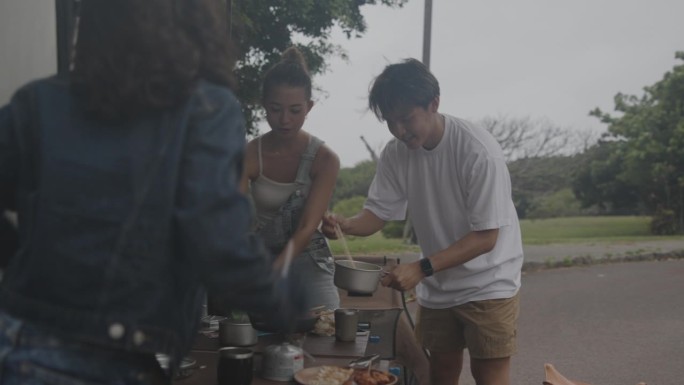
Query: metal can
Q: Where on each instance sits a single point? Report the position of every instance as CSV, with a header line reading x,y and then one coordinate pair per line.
x,y
281,362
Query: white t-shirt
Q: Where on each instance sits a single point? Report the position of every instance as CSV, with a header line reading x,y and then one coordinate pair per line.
x,y
461,185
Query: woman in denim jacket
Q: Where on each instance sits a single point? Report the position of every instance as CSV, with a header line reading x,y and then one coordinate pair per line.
x,y
125,177
290,175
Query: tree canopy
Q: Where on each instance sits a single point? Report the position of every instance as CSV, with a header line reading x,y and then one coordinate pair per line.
x,y
643,150
262,29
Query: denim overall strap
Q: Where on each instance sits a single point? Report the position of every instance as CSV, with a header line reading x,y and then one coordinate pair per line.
x,y
307,158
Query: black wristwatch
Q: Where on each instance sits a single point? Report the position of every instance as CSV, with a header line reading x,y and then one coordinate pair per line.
x,y
426,267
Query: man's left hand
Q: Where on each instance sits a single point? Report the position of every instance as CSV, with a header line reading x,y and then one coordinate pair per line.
x,y
403,277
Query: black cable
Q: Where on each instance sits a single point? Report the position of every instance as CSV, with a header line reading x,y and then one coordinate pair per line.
x,y
413,327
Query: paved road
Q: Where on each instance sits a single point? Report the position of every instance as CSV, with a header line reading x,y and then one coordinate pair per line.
x,y
601,323
609,324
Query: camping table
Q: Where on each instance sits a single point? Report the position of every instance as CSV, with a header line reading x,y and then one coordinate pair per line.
x,y
383,312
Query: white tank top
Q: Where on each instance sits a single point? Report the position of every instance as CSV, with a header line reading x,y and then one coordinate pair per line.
x,y
269,195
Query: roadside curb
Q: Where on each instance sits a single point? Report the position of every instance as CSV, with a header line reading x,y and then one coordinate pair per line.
x,y
588,260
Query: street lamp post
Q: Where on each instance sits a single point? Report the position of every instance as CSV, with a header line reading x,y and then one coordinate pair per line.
x,y
427,31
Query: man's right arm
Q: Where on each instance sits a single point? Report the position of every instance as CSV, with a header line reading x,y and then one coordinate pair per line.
x,y
363,224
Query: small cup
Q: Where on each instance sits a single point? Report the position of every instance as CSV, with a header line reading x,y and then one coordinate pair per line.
x,y
235,366
346,323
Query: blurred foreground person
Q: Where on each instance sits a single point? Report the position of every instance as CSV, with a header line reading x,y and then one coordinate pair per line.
x,y
9,240
125,177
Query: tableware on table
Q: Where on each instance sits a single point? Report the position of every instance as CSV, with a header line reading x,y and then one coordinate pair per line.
x,y
364,362
346,324
185,369
281,362
312,376
340,237
237,333
357,277
235,366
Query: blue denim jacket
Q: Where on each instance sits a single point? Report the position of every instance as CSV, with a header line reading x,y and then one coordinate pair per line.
x,y
123,225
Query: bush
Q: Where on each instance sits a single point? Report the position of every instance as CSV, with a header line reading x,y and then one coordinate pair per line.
x,y
350,206
394,229
664,222
561,203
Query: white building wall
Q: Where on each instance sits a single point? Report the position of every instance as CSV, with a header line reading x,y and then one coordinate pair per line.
x,y
28,43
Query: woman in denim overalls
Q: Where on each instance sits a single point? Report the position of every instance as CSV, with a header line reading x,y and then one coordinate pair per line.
x,y
290,176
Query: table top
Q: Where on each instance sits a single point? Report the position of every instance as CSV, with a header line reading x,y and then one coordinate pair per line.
x,y
382,311
205,373
319,346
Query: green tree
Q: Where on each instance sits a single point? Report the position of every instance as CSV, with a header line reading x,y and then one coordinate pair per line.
x,y
262,29
649,140
533,179
598,181
349,206
354,181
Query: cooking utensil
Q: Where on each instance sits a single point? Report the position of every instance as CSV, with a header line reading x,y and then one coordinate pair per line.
x,y
235,333
357,277
364,362
340,237
281,362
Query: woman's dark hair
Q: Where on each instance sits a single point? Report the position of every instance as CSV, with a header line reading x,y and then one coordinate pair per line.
x,y
290,71
400,86
133,56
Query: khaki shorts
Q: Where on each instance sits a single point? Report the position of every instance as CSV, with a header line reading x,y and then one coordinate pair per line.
x,y
486,328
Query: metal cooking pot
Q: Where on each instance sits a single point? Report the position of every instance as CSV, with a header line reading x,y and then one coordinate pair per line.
x,y
234,333
357,277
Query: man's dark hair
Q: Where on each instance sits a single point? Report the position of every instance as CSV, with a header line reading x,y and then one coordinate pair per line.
x,y
133,56
402,85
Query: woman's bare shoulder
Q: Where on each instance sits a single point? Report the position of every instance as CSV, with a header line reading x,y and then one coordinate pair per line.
x,y
252,157
326,160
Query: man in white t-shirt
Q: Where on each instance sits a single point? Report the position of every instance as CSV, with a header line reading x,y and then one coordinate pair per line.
x,y
452,178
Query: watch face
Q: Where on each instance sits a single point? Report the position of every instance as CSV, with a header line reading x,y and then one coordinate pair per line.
x,y
426,266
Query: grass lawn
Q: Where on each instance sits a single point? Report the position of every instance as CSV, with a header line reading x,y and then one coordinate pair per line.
x,y
376,244
584,229
534,232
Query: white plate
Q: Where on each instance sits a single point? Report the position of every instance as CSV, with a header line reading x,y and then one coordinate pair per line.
x,y
307,376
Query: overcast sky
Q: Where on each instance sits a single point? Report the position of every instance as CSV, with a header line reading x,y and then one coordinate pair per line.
x,y
518,58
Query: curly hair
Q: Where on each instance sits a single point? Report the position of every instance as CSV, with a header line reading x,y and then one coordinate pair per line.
x,y
134,56
290,71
